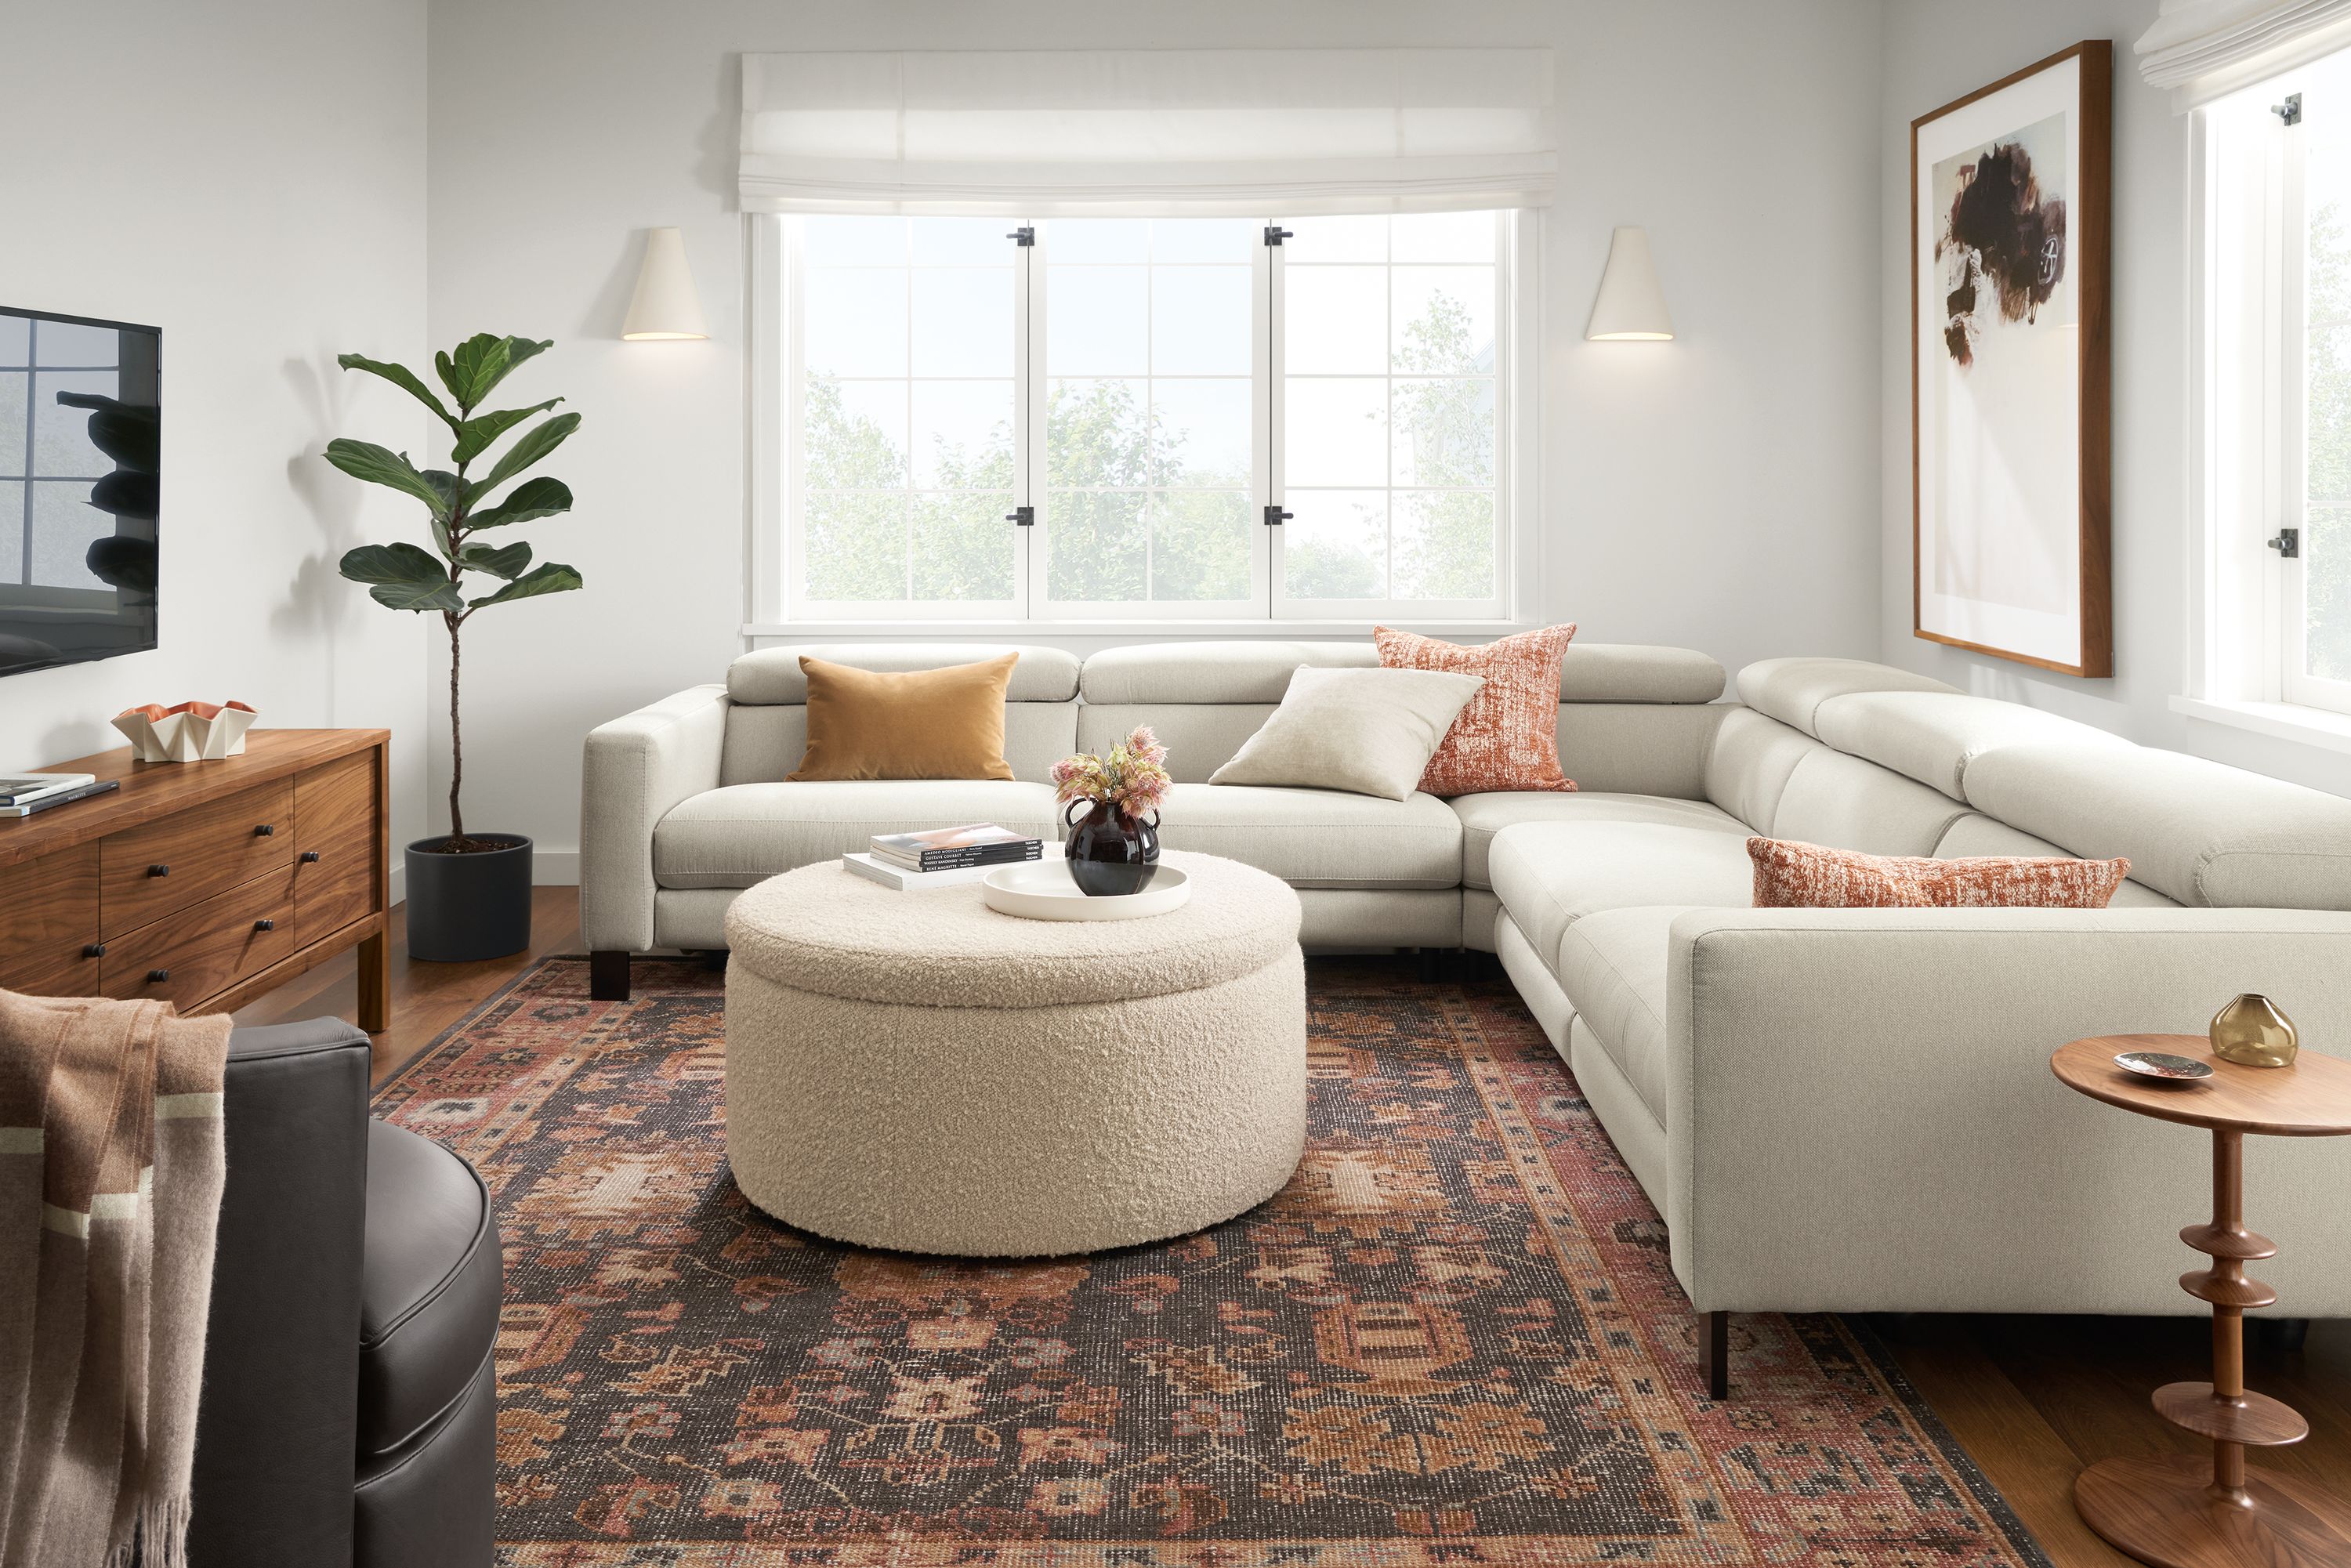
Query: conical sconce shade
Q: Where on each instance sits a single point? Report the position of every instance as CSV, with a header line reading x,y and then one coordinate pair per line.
x,y
1631,307
664,304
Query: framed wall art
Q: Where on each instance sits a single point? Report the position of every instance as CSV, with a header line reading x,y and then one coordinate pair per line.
x,y
2010,472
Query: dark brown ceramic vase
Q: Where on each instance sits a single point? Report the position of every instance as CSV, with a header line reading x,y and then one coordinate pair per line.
x,y
1110,852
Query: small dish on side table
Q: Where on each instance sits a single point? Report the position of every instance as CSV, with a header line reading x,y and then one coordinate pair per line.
x,y
2164,1066
1044,890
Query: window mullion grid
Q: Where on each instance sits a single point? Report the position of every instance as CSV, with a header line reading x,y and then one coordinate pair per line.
x,y
2292,391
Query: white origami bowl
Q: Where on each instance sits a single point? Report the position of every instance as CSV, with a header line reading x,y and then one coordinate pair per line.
x,y
192,732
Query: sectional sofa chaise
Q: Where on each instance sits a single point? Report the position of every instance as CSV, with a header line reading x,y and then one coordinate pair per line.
x,y
1834,1110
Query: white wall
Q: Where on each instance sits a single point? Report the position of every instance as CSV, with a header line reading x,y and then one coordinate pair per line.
x,y
1930,59
1717,491
249,177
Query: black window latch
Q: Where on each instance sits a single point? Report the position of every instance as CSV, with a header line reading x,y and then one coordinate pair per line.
x,y
1022,516
1275,517
1023,236
1275,235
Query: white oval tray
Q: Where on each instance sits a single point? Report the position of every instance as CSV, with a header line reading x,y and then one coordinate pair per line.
x,y
1043,890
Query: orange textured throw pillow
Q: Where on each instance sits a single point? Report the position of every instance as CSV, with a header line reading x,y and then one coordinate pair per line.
x,y
1508,738
921,723
1790,875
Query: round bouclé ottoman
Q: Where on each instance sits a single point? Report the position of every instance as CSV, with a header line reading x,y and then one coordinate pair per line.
x,y
916,1072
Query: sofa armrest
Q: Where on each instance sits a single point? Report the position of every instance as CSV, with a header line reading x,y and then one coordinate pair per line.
x,y
276,1423
1860,1114
637,769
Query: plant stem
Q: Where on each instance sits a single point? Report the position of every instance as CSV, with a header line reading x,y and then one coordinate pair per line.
x,y
456,745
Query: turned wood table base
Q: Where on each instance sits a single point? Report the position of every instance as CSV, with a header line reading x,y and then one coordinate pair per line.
x,y
2181,1510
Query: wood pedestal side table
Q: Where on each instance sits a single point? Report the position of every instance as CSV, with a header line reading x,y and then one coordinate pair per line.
x,y
2176,1511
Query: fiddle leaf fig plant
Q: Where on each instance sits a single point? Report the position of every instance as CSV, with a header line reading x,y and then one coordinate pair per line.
x,y
459,506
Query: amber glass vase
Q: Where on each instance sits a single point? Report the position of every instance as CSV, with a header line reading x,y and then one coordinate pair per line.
x,y
2253,1032
1110,852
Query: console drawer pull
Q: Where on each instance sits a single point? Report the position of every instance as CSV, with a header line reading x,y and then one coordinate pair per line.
x,y
265,925
158,871
94,950
157,976
264,831
309,855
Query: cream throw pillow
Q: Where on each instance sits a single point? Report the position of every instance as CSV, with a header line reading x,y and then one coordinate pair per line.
x,y
1369,732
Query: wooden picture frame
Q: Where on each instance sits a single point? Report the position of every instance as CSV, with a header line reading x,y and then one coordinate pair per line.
x,y
2010,427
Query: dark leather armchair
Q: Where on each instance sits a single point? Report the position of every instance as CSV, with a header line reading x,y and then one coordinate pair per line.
x,y
349,1414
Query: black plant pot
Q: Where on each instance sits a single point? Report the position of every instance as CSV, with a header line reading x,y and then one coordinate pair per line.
x,y
461,907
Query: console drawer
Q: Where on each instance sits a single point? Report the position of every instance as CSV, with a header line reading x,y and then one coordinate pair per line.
x,y
147,872
48,922
204,950
336,844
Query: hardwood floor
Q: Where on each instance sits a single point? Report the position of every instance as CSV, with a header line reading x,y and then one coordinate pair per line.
x,y
426,999
2032,1399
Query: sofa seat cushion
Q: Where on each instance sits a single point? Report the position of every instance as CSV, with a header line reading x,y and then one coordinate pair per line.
x,y
1483,816
1611,965
1319,838
744,833
429,1285
1550,875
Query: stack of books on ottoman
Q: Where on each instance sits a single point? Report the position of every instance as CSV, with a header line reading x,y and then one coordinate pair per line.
x,y
942,857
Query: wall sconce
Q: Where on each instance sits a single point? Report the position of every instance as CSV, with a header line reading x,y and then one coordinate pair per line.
x,y
1632,306
664,305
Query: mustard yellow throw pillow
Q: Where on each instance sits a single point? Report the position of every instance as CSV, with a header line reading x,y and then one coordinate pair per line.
x,y
924,724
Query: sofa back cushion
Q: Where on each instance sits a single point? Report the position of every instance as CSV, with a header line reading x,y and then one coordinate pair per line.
x,y
1632,718
1792,690
1785,784
2201,833
766,721
1933,736
1976,834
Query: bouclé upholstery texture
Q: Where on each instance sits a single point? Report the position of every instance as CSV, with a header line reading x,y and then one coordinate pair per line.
x,y
916,1072
1507,736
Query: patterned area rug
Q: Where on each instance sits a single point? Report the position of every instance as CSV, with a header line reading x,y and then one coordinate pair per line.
x,y
1453,1339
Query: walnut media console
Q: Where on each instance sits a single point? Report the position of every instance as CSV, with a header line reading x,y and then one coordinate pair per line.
x,y
205,884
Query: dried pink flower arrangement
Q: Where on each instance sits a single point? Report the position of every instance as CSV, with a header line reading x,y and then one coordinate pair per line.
x,y
1132,777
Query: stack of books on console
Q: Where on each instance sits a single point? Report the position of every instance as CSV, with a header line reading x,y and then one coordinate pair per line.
x,y
22,794
942,857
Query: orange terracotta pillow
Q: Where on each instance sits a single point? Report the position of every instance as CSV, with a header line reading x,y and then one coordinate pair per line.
x,y
1790,875
1508,738
923,724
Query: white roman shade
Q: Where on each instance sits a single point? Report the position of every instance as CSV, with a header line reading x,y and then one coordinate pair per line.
x,y
2202,49
1208,132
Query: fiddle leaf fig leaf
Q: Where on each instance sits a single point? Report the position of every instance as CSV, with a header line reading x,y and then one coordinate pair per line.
x,y
476,436
503,560
529,448
403,577
364,460
402,376
547,578
480,363
539,497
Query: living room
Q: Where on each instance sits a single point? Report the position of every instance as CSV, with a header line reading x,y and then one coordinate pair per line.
x,y
1591,520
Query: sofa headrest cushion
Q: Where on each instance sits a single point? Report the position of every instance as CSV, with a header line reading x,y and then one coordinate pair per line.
x,y
1791,690
772,675
1932,737
1260,672
2204,834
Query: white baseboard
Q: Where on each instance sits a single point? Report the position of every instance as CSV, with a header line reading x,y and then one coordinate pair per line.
x,y
399,883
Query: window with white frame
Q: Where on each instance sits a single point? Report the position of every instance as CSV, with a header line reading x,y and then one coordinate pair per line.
x,y
1136,419
2277,201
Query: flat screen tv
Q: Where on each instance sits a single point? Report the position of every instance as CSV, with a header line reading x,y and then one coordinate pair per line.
x,y
80,425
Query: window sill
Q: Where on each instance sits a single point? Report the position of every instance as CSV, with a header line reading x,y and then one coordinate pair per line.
x,y
2282,721
1045,631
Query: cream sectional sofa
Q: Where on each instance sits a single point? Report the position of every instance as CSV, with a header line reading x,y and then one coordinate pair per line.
x,y
1834,1110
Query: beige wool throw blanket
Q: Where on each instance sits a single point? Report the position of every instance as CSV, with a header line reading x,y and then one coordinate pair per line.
x,y
111,1160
